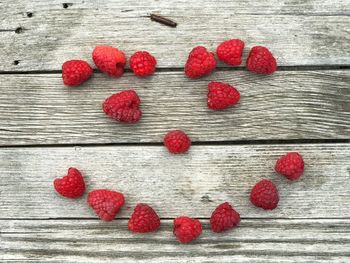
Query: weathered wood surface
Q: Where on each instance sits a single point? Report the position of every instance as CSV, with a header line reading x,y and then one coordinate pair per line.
x,y
313,220
38,109
191,184
257,240
298,32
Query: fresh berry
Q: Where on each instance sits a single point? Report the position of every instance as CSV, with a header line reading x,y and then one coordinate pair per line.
x,y
144,219
221,95
123,106
143,63
187,229
290,165
224,217
265,195
200,62
109,60
72,185
75,72
230,51
261,61
105,203
177,141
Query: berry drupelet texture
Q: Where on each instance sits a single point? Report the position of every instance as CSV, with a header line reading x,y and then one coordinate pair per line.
x,y
72,185
142,63
177,141
109,60
265,195
222,96
200,62
105,203
123,106
144,219
75,72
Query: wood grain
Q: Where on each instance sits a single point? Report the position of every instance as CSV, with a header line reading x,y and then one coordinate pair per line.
x,y
38,109
192,184
312,32
253,241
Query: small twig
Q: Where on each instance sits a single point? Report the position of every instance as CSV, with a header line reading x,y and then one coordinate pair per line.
x,y
163,20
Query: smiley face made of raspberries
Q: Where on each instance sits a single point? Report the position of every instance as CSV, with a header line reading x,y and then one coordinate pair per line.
x,y
124,106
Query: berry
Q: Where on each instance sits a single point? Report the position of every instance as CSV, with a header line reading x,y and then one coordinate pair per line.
x,y
224,217
177,141
143,63
144,219
187,229
200,62
75,72
265,195
109,60
290,165
105,203
123,106
261,61
221,95
72,185
230,51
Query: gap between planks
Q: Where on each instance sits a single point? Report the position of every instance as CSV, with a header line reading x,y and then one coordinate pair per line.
x,y
198,143
174,69
290,219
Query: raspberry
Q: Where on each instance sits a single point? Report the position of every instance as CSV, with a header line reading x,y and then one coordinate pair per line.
x,y
221,95
75,72
105,203
187,229
72,185
123,106
230,51
142,63
224,217
290,165
177,141
200,62
261,61
144,219
109,60
265,195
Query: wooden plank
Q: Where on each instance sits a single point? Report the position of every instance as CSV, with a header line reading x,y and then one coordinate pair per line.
x,y
297,32
253,241
192,184
38,109
178,7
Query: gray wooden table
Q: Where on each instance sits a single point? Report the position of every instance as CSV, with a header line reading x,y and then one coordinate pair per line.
x,y
46,127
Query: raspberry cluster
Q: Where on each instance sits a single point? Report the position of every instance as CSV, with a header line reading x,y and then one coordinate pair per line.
x,y
107,203
124,106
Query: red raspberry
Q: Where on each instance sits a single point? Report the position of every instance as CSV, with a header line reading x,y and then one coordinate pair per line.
x,y
224,217
143,63
144,219
105,203
230,51
177,141
75,72
221,95
265,195
261,61
187,229
109,60
72,185
123,106
290,165
200,62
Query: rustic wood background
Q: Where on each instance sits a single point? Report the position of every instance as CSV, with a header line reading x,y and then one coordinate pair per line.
x,y
46,127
